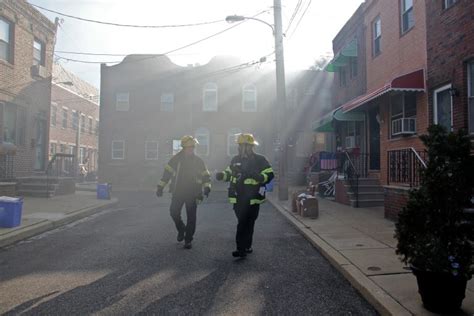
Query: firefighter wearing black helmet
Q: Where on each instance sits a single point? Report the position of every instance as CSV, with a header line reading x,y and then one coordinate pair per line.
x,y
190,179
247,175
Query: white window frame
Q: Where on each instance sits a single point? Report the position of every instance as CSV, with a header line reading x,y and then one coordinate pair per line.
x,y
83,123
203,132
54,114
231,140
376,37
122,157
147,149
74,124
470,97
64,118
404,11
41,61
91,125
9,41
210,87
164,103
435,104
122,101
249,88
449,3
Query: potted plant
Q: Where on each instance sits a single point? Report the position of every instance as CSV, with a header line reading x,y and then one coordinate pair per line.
x,y
432,234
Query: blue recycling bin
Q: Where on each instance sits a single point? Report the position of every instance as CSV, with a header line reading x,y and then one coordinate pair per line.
x,y
269,186
103,191
10,212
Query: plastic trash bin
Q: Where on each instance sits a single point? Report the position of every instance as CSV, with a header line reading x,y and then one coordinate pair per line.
x,y
10,211
103,191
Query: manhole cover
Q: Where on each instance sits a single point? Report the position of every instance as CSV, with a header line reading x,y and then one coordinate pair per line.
x,y
359,245
374,269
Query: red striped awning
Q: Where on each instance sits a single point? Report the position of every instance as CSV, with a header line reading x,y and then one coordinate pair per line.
x,y
414,81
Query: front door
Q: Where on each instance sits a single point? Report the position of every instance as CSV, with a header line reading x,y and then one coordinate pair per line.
x,y
40,144
374,139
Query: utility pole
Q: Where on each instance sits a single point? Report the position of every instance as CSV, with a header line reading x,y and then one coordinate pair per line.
x,y
281,104
78,144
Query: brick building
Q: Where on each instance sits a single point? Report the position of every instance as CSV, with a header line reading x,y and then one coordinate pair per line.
x,y
26,41
148,103
450,76
74,103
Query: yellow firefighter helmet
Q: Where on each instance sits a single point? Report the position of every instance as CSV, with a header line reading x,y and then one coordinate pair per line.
x,y
188,141
246,139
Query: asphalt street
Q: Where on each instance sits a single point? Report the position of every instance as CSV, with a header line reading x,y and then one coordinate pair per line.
x,y
126,261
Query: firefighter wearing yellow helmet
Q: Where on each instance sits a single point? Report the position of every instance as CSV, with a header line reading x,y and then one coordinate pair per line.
x,y
247,175
190,179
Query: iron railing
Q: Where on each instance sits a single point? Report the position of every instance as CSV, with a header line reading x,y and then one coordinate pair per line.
x,y
7,167
351,173
60,165
405,165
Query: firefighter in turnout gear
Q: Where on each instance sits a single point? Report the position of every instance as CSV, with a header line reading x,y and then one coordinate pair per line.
x,y
248,174
190,180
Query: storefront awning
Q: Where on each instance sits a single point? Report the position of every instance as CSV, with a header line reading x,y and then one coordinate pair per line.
x,y
342,58
414,81
324,124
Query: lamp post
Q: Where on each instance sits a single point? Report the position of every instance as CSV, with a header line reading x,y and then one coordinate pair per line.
x,y
281,94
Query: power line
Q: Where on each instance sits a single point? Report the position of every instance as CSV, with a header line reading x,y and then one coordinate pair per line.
x,y
128,25
295,12
155,56
301,18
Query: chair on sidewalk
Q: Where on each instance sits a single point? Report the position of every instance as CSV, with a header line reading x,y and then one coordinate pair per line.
x,y
329,185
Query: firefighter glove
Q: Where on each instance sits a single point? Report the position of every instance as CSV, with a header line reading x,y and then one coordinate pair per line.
x,y
220,176
159,191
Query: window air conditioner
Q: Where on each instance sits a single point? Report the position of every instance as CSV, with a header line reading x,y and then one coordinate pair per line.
x,y
39,71
350,142
404,126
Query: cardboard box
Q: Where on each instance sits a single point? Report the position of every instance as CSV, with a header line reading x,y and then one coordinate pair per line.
x,y
310,207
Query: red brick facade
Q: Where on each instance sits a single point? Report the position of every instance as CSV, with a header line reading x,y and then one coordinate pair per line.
x,y
396,199
25,91
66,100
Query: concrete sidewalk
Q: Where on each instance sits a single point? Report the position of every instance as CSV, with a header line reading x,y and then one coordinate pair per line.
x,y
359,243
42,214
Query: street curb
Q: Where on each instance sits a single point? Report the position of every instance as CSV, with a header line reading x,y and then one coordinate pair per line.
x,y
46,225
374,294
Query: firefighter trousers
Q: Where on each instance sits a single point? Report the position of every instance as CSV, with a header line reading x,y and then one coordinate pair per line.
x,y
246,216
177,203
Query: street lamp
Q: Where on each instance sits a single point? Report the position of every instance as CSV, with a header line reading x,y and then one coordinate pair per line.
x,y
281,93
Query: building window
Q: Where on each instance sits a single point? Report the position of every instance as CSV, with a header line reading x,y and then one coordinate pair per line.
x,y
91,127
82,155
62,148
151,150
6,40
54,114
377,36
118,149
9,123
52,149
407,16
354,67
443,107
342,77
232,146
177,146
75,120
403,106
167,102
209,97
202,136
38,53
83,123
470,92
448,3
249,98
64,123
122,101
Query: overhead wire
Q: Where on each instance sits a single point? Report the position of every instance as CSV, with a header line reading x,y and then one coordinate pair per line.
x,y
295,12
301,18
126,25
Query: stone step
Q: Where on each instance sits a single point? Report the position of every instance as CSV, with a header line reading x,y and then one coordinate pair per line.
x,y
369,181
367,188
36,193
367,196
368,203
38,186
38,180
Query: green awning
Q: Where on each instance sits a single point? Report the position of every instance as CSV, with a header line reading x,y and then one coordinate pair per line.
x,y
325,123
349,116
342,58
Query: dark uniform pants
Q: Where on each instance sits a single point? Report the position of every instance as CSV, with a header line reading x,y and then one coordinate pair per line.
x,y
246,215
175,212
